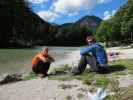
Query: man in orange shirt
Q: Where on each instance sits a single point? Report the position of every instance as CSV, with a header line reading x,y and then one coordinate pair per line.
x,y
41,62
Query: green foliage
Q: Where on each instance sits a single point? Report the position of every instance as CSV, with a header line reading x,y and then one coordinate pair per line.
x,y
116,24
119,27
102,82
122,23
127,23
29,76
5,19
103,32
20,26
128,63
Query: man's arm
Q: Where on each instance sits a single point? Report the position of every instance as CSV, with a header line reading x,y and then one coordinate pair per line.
x,y
43,59
86,50
51,59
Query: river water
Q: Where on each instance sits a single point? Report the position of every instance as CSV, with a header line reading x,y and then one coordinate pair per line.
x,y
19,60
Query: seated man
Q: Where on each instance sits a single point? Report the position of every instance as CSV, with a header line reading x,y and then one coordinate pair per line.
x,y
94,55
41,62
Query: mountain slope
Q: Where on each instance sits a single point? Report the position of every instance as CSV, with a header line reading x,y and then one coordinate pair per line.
x,y
20,26
74,33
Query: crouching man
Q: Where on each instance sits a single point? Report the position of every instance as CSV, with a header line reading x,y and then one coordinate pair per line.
x,y
41,62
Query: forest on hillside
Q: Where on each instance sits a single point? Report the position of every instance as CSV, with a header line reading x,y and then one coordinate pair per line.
x,y
119,27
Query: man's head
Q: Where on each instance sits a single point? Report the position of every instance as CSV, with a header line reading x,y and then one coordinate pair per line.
x,y
45,51
90,39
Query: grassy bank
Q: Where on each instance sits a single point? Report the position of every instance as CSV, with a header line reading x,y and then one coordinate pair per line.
x,y
109,81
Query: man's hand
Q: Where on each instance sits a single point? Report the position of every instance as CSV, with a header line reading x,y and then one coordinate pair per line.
x,y
48,59
51,59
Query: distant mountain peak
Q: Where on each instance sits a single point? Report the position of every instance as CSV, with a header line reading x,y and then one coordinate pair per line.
x,y
89,18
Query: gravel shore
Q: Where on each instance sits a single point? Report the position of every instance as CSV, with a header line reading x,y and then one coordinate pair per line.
x,y
43,89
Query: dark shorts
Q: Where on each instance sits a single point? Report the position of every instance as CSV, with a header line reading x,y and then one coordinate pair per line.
x,y
41,67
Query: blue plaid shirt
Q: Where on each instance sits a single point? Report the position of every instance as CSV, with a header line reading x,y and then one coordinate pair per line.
x,y
97,51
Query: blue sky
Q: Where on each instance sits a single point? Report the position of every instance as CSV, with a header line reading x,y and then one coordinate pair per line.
x,y
66,11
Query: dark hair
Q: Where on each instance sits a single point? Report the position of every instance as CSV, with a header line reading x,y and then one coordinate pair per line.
x,y
88,34
91,38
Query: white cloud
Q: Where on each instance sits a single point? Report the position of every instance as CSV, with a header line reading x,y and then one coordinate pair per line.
x,y
103,1
73,14
37,1
48,15
108,15
71,7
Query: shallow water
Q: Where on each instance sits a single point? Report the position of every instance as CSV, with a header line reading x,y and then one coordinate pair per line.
x,y
19,60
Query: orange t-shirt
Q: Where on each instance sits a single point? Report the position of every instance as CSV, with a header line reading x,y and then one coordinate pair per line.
x,y
36,58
